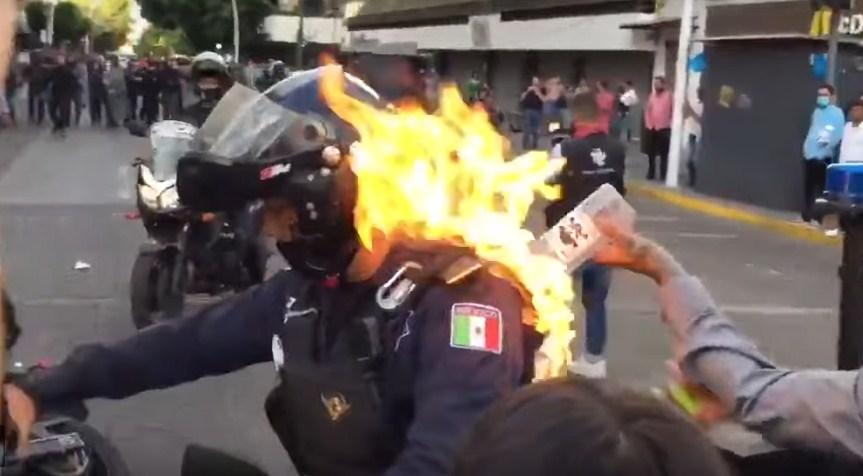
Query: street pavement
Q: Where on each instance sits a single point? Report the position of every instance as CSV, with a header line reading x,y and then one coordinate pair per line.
x,y
64,200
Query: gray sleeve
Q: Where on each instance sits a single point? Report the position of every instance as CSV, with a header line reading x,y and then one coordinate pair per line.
x,y
817,409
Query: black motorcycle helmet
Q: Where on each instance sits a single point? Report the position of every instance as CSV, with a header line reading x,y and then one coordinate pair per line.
x,y
210,65
273,149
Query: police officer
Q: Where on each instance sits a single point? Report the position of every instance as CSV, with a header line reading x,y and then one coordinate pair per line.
x,y
211,80
385,357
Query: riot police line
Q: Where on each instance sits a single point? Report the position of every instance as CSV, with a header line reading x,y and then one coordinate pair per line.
x,y
370,389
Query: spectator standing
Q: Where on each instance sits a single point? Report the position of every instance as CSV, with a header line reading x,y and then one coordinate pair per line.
x,y
98,92
593,158
657,122
115,84
605,101
133,89
628,100
11,90
820,146
150,94
692,123
473,88
532,100
852,136
554,101
5,115
79,69
171,87
37,78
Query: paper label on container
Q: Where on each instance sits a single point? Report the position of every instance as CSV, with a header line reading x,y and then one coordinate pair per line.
x,y
573,238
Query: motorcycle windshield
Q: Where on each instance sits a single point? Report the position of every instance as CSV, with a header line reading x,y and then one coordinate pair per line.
x,y
289,117
244,125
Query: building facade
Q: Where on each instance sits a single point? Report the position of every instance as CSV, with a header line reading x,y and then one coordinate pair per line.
x,y
506,42
759,94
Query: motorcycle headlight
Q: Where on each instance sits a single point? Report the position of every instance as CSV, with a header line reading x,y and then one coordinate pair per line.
x,y
149,196
170,198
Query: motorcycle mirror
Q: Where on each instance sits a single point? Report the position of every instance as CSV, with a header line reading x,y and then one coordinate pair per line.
x,y
137,128
199,461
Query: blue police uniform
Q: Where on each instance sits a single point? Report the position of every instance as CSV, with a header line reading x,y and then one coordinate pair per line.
x,y
358,394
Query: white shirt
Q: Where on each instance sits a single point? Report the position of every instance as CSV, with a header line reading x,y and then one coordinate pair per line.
x,y
852,144
629,98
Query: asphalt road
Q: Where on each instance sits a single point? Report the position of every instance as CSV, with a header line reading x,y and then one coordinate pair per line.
x,y
63,200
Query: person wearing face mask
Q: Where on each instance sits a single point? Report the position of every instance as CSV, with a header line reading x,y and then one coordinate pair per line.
x,y
821,146
211,80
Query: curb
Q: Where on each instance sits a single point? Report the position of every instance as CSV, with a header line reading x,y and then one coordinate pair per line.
x,y
733,212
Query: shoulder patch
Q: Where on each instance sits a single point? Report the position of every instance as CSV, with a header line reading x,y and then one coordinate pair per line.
x,y
476,327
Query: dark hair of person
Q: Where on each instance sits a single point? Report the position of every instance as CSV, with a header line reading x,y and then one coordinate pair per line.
x,y
576,426
855,103
828,87
584,107
604,83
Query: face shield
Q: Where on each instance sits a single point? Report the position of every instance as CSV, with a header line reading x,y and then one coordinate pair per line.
x,y
265,146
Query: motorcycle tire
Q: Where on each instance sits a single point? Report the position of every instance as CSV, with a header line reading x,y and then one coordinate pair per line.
x,y
142,290
170,298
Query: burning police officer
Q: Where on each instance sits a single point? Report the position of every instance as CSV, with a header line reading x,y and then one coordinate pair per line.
x,y
385,357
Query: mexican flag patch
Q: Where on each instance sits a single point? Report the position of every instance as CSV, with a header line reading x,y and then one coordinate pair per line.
x,y
476,327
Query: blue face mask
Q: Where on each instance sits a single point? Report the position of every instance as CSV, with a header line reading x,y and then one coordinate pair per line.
x,y
823,101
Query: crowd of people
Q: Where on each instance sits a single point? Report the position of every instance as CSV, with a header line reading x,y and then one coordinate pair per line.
x,y
63,88
834,136
546,102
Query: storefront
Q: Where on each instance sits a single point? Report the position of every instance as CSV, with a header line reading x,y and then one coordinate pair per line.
x,y
759,93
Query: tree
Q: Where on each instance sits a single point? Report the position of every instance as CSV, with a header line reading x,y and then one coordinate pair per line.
x,y
111,20
69,23
208,22
37,16
161,43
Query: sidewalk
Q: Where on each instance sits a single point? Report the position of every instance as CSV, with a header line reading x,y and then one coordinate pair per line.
x,y
781,222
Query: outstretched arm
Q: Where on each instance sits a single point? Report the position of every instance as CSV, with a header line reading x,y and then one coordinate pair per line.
x,y
221,339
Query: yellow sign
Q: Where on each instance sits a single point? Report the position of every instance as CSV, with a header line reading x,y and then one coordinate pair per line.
x,y
821,21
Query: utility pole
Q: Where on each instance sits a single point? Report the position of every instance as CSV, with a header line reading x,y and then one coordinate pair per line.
x,y
50,26
833,46
298,60
236,31
680,84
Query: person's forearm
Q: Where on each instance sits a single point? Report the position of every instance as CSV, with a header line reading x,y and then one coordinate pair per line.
x,y
816,409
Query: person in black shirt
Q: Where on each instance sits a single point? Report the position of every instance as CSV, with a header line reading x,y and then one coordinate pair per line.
x,y
150,94
64,87
531,104
171,86
593,158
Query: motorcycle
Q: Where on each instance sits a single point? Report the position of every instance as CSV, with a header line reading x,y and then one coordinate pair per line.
x,y
61,444
187,252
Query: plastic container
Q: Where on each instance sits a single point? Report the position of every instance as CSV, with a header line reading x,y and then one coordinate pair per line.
x,y
573,240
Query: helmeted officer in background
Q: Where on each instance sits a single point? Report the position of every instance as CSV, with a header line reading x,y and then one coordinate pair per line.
x,y
211,80
385,357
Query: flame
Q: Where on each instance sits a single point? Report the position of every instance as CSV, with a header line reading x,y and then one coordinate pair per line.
x,y
444,176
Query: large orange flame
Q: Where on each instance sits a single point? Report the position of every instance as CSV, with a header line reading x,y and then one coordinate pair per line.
x,y
444,176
